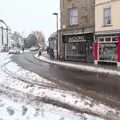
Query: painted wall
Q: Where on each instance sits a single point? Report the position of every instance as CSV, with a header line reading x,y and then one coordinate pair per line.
x,y
115,9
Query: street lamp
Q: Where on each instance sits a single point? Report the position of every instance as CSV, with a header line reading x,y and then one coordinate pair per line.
x,y
56,14
57,42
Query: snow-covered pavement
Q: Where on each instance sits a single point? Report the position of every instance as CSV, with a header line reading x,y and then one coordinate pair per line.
x,y
23,91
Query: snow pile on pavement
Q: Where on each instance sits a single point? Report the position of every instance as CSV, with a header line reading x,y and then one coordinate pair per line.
x,y
21,111
4,58
80,66
24,74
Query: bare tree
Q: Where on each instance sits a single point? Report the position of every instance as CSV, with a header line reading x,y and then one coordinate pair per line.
x,y
30,41
17,38
40,39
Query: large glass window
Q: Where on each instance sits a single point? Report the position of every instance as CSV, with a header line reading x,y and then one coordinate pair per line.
x,y
108,52
73,16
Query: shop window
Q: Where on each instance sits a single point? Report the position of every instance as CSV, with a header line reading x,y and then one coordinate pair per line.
x,y
108,39
114,39
101,39
108,52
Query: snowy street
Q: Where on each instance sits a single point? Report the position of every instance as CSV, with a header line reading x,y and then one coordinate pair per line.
x,y
24,95
59,60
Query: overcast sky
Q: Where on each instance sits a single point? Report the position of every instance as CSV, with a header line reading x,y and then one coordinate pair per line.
x,y
29,15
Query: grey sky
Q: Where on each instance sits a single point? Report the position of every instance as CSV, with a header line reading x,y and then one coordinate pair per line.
x,y
28,15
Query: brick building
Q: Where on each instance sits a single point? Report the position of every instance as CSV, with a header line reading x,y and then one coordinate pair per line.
x,y
77,29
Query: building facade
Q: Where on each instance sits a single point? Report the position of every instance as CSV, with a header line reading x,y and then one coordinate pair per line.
x,y
3,36
107,27
53,44
77,29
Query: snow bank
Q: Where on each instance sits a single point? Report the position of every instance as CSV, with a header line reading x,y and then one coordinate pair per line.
x,y
24,74
21,111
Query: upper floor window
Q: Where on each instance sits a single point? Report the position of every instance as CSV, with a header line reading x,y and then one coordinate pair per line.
x,y
107,16
73,16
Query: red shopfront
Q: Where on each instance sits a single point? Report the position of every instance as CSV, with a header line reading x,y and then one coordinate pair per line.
x,y
107,49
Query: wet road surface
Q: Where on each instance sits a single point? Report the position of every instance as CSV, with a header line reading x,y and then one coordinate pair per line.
x,y
101,83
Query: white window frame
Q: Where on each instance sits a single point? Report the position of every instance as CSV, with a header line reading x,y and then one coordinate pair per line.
x,y
73,19
104,23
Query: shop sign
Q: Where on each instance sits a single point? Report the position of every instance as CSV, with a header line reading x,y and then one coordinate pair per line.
x,y
76,39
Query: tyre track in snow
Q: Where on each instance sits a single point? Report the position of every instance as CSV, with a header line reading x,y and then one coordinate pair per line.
x,y
37,100
21,78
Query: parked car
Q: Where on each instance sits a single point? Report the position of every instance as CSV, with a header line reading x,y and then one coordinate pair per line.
x,y
14,51
3,49
34,49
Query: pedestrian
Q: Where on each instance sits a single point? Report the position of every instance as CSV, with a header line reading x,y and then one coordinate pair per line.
x,y
52,53
48,49
39,52
23,49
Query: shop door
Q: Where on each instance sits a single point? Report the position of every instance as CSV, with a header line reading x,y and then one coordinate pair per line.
x,y
89,57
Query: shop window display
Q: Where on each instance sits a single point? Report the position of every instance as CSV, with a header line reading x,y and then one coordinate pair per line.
x,y
108,52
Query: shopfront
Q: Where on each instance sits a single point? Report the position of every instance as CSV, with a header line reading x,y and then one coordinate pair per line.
x,y
78,47
106,48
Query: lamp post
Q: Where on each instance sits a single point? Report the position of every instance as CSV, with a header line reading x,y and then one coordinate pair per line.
x,y
57,42
7,35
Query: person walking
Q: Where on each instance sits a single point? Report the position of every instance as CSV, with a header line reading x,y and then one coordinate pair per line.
x,y
23,49
39,52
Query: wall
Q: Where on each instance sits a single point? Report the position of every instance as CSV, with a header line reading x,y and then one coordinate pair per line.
x,y
115,8
85,9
